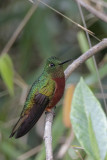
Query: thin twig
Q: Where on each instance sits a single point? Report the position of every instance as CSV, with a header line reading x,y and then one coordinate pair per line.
x,y
19,29
29,153
102,3
77,147
91,9
66,17
93,57
79,155
65,146
99,95
69,19
49,117
85,29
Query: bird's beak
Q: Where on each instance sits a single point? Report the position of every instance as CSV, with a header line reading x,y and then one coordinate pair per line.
x,y
65,62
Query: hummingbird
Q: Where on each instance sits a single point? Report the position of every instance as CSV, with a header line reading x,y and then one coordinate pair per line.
x,y
44,94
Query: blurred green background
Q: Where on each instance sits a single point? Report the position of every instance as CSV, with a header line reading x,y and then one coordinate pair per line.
x,y
45,34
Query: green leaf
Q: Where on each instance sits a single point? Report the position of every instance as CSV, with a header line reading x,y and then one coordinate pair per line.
x,y
6,71
93,140
84,46
85,107
88,158
105,157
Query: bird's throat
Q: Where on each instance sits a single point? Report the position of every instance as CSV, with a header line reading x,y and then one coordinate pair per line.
x,y
58,74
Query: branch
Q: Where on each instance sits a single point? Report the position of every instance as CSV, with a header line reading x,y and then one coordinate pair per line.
x,y
48,133
49,116
92,51
91,9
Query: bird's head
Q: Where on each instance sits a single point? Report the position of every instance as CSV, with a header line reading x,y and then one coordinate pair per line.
x,y
54,67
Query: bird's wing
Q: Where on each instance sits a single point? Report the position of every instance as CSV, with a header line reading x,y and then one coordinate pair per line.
x,y
27,121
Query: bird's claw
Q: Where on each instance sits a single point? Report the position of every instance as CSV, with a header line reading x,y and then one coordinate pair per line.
x,y
48,110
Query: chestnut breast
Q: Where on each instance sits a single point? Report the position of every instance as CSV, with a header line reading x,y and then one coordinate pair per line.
x,y
59,90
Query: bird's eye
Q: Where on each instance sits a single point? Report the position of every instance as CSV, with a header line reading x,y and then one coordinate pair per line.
x,y
51,65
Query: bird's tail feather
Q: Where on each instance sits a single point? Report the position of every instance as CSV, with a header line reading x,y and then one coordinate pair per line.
x,y
30,121
26,122
18,124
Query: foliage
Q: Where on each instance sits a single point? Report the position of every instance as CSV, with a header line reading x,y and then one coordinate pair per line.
x,y
47,34
89,122
84,46
6,71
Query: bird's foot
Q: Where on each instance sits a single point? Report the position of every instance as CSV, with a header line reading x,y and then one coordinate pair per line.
x,y
49,110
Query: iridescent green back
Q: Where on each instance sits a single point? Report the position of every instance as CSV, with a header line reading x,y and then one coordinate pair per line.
x,y
44,85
